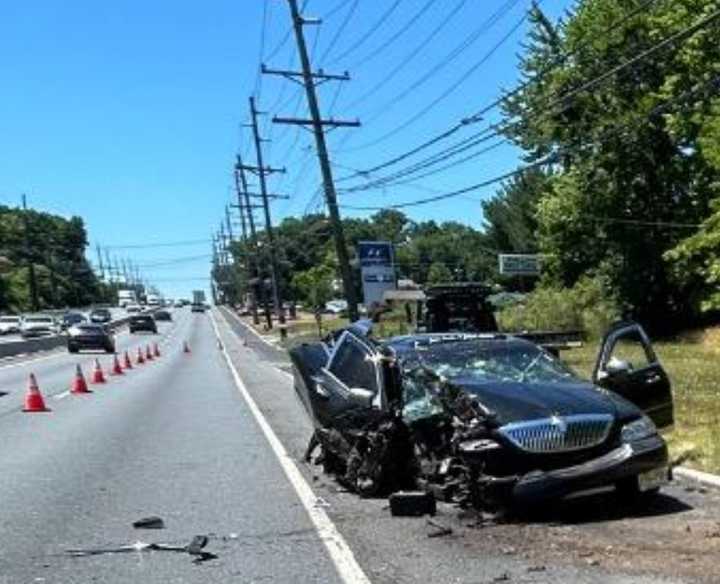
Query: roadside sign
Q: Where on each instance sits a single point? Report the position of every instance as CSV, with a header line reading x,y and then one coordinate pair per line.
x,y
519,264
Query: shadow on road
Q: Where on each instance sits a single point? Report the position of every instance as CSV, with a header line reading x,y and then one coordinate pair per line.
x,y
601,507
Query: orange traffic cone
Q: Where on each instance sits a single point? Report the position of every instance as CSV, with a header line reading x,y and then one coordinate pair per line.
x,y
148,353
186,347
116,369
156,351
79,385
140,359
98,375
127,364
34,401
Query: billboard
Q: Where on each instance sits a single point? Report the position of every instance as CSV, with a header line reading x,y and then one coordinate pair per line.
x,y
519,264
377,269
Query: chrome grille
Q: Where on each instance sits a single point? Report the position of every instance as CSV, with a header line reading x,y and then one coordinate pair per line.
x,y
559,433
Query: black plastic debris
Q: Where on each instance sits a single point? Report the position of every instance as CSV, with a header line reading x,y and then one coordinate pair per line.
x,y
438,530
152,522
412,504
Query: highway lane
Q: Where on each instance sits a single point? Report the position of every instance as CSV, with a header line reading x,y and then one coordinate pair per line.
x,y
55,369
174,439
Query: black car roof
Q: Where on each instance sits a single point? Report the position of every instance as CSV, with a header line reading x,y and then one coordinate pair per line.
x,y
409,342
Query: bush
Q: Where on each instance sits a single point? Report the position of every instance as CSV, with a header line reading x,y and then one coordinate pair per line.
x,y
586,306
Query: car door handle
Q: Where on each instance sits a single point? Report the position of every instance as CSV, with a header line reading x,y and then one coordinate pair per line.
x,y
320,389
654,378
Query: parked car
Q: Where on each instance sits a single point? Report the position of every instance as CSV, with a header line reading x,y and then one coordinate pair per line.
x,y
9,324
162,315
71,318
100,315
480,418
88,335
37,326
336,306
142,322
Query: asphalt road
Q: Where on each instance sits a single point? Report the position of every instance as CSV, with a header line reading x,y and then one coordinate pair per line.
x,y
178,438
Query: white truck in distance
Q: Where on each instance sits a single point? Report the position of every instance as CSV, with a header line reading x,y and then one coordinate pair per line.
x,y
126,297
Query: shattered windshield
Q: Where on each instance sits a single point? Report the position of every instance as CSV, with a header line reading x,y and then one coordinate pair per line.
x,y
483,361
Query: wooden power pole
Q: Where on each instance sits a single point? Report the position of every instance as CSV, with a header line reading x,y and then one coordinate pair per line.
x,y
261,171
307,78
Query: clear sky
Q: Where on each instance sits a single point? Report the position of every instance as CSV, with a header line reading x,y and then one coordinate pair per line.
x,y
129,114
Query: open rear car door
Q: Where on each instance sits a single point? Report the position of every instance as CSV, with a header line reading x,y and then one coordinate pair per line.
x,y
628,366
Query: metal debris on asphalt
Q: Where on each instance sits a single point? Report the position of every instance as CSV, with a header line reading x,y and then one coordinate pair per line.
x,y
152,522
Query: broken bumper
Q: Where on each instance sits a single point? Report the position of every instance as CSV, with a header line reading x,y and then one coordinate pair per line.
x,y
626,461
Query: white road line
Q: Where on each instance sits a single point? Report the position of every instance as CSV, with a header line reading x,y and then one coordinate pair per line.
x,y
31,361
62,395
340,553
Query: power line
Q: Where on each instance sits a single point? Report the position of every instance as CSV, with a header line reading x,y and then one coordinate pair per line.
x,y
409,56
499,129
449,90
478,114
550,159
160,244
340,30
373,29
395,37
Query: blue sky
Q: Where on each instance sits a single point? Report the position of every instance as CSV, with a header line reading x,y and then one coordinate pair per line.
x,y
129,114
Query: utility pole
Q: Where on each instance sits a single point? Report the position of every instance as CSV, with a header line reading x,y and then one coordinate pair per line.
x,y
250,258
261,170
100,262
318,125
34,302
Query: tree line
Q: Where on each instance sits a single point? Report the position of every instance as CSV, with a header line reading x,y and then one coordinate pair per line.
x,y
55,247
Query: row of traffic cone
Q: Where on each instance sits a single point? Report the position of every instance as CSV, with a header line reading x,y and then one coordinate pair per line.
x,y
34,401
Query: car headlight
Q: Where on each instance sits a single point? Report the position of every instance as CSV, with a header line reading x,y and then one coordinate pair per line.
x,y
639,429
74,331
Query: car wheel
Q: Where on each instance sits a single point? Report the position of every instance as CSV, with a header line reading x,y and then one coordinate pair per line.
x,y
629,491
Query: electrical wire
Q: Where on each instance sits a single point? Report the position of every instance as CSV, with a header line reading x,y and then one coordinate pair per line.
x,y
661,108
340,30
498,101
373,29
498,130
395,37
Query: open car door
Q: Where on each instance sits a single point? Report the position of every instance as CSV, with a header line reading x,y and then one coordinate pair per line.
x,y
350,381
628,366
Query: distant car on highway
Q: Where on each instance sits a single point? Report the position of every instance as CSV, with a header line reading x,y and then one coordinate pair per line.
x,y
130,308
89,335
179,303
71,318
9,324
163,315
38,325
142,322
100,315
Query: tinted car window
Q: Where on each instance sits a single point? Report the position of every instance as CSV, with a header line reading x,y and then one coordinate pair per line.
x,y
352,364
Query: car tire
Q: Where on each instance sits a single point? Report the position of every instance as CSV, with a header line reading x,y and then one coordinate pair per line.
x,y
628,490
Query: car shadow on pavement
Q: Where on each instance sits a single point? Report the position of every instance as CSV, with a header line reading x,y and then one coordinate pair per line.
x,y
601,507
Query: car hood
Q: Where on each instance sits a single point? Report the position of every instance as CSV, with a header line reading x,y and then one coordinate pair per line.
x,y
515,401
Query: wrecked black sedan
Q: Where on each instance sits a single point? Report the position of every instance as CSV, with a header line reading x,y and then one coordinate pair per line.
x,y
485,419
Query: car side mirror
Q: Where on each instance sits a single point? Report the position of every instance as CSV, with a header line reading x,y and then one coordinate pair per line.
x,y
361,395
617,367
